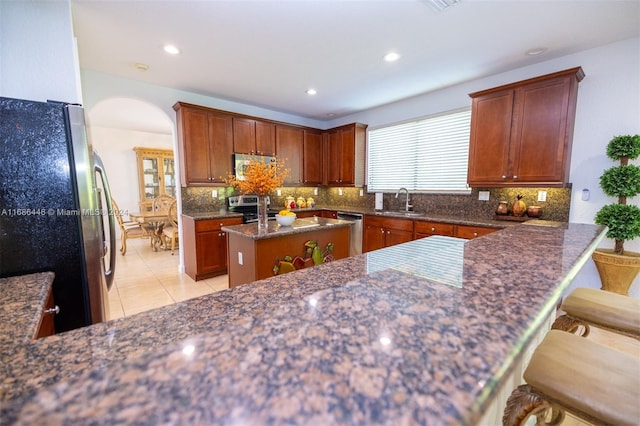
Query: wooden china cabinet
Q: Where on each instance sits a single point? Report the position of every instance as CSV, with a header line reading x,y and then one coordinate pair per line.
x,y
156,175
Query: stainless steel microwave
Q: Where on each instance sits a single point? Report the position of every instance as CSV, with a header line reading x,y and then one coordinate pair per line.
x,y
240,162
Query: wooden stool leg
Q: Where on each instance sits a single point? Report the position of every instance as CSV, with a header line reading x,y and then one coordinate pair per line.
x,y
572,325
524,402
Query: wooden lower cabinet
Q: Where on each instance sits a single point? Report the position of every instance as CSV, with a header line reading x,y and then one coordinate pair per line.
x,y
303,214
253,259
427,229
329,214
205,246
471,232
381,232
47,326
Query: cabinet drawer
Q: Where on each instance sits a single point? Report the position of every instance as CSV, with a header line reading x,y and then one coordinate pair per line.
x,y
470,232
434,228
216,224
389,223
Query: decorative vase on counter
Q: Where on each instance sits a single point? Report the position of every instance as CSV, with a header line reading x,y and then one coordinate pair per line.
x,y
301,203
311,203
290,202
502,209
263,213
519,207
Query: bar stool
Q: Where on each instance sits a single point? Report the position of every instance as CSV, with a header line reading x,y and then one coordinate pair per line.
x,y
610,311
568,373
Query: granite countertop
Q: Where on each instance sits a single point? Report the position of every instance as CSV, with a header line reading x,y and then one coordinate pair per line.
x,y
22,299
217,214
419,216
371,339
274,229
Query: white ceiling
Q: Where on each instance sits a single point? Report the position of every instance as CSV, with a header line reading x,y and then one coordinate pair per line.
x,y
267,53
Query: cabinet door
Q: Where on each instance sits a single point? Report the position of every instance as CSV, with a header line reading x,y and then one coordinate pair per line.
x,y
373,238
168,171
347,155
195,145
540,131
265,138
312,158
397,236
244,135
333,157
490,138
289,146
211,251
220,146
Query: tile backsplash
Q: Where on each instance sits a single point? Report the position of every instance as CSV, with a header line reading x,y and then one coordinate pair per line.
x,y
556,207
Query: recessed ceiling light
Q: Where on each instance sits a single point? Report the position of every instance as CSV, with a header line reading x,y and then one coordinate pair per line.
x,y
331,114
140,66
311,91
536,51
391,57
171,49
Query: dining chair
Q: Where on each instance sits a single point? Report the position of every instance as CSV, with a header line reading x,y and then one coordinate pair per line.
x,y
128,229
171,232
162,203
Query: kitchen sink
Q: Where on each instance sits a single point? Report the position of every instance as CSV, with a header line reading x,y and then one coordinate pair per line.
x,y
400,213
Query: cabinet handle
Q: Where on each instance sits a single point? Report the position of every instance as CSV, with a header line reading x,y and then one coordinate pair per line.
x,y
504,177
475,234
433,229
515,177
52,311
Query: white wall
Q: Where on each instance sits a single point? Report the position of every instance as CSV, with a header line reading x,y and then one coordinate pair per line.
x,y
608,105
115,147
38,56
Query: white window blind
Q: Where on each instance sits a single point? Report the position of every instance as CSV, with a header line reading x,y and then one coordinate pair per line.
x,y
430,154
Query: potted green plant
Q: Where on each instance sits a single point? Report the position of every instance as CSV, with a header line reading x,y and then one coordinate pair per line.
x,y
617,267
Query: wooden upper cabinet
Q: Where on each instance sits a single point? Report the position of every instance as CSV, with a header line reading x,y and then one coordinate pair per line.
x,y
521,133
345,155
289,147
253,136
312,158
205,145
265,138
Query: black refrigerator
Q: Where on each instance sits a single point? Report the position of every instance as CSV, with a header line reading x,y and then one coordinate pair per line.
x,y
55,207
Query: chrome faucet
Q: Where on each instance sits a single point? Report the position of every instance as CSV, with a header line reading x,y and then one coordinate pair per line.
x,y
407,206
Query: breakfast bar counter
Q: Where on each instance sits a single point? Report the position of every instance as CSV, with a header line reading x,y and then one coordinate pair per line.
x,y
426,332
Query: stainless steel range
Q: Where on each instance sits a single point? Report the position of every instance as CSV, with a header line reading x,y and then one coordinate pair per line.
x,y
248,206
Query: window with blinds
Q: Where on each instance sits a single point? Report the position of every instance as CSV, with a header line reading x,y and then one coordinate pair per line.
x,y
428,155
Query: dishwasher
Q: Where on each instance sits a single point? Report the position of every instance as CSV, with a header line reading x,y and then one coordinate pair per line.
x,y
355,243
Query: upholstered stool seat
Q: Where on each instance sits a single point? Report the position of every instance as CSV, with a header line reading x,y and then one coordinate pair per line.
x,y
568,372
611,311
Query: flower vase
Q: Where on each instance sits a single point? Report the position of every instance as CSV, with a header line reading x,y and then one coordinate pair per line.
x,y
263,213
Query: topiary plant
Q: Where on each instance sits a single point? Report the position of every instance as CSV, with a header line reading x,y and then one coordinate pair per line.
x,y
621,181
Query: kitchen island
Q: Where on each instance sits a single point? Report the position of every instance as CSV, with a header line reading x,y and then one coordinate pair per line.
x,y
370,339
256,254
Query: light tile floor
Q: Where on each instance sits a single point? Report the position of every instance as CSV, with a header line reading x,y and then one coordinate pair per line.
x,y
145,280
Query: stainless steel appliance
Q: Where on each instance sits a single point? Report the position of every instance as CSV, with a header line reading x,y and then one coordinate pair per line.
x,y
240,162
355,244
248,206
54,207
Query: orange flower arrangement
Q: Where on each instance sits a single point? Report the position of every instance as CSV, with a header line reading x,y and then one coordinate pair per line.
x,y
260,177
